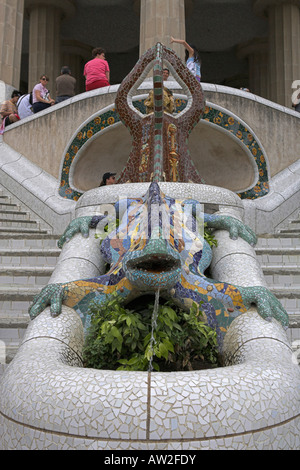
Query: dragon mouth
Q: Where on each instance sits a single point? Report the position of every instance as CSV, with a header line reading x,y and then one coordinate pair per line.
x,y
154,264
150,272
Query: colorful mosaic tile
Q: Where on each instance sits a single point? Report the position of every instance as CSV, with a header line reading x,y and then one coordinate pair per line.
x,y
148,132
162,249
212,115
95,126
236,128
164,153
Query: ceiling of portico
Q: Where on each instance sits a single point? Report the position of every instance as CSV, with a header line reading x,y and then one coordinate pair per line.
x,y
216,27
112,24
219,25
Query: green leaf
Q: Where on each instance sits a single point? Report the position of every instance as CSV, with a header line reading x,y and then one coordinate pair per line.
x,y
115,332
133,360
169,345
163,350
123,361
170,312
168,322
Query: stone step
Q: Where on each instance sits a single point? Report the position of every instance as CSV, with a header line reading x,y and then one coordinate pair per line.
x,y
282,276
15,302
18,293
279,256
6,204
282,240
295,224
10,351
14,305
4,197
278,249
14,309
11,223
12,332
13,320
18,320
10,231
294,319
12,336
289,298
293,333
25,270
291,304
289,231
37,240
10,214
13,324
29,257
28,276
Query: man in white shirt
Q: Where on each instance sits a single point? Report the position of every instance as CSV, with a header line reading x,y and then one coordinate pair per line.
x,y
24,106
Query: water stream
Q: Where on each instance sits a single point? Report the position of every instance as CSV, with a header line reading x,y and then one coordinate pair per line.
x,y
153,328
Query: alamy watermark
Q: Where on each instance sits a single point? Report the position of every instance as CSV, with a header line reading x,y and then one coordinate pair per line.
x,y
296,93
156,220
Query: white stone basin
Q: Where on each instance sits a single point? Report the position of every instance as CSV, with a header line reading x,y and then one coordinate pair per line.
x,y
49,401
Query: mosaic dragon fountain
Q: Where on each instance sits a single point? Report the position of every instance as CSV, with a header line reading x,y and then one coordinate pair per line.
x,y
153,248
48,400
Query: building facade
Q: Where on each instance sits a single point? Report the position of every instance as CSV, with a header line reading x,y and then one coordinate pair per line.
x,y
245,43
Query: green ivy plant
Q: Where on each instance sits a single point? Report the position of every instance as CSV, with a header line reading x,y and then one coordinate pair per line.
x,y
109,227
209,236
120,338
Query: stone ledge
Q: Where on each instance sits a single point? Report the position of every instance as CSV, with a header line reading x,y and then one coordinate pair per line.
x,y
35,189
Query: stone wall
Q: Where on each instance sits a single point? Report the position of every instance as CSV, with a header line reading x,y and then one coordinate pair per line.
x,y
275,126
43,137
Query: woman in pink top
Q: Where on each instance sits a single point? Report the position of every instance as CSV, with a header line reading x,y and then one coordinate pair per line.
x,y
96,71
41,98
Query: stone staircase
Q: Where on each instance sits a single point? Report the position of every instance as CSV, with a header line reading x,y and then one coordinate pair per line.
x,y
28,254
279,256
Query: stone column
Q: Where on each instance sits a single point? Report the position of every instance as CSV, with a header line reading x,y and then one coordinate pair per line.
x,y
256,52
284,50
44,39
159,20
11,29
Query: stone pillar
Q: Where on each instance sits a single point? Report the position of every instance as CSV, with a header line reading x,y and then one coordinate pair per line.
x,y
256,52
11,29
284,50
159,20
44,39
75,55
